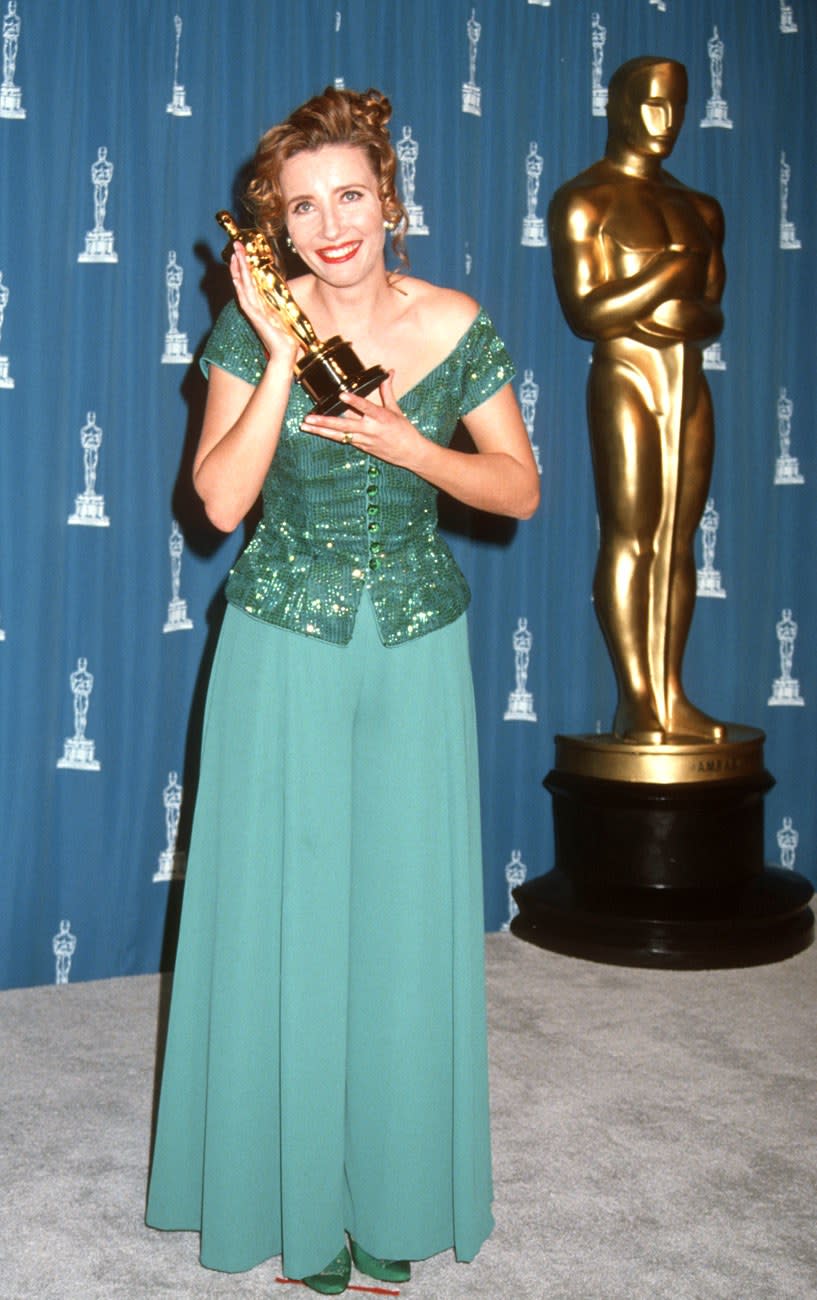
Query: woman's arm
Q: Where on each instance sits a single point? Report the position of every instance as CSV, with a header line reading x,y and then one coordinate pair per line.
x,y
239,438
242,423
502,477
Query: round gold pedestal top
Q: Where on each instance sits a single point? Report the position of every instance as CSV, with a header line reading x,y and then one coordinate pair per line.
x,y
608,758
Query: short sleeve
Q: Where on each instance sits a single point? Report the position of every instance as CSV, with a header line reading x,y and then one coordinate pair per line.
x,y
487,365
234,346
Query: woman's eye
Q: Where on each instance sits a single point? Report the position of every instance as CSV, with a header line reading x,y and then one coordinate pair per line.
x,y
303,206
352,194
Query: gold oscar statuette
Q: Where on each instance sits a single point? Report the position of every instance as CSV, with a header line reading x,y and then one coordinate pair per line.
x,y
658,824
638,266
327,368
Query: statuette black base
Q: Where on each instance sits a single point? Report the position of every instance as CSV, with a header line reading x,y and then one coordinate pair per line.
x,y
333,366
664,875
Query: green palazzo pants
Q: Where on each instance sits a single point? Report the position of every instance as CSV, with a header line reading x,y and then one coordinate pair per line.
x,y
326,1064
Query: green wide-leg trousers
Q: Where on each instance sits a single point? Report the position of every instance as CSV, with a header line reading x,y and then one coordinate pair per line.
x,y
326,1065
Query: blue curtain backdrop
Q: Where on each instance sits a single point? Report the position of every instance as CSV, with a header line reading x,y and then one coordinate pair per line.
x,y
110,577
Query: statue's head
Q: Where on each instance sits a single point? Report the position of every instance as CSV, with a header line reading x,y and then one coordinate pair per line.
x,y
646,100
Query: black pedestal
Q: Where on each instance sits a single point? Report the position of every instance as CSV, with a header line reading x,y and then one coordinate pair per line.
x,y
664,875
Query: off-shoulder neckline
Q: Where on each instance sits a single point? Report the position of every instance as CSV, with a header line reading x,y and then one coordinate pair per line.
x,y
444,361
479,317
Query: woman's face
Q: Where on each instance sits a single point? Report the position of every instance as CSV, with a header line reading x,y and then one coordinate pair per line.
x,y
333,212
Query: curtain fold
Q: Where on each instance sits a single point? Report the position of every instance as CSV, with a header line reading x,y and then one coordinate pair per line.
x,y
121,134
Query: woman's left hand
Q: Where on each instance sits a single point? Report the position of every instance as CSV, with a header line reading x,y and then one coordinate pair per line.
x,y
378,430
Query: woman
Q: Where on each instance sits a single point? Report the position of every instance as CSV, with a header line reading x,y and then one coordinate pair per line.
x,y
326,1068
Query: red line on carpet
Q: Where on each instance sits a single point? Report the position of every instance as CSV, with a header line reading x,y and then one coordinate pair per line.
x,y
367,1290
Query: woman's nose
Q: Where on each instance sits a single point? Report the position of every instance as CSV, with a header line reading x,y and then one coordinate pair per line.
x,y
331,222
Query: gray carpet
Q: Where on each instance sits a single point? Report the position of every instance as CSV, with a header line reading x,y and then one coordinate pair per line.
x,y
655,1136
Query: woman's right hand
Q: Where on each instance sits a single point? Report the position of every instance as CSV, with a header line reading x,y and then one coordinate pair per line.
x,y
278,342
242,421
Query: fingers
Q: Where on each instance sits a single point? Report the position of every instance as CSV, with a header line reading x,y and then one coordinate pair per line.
x,y
362,426
366,407
387,391
367,426
238,262
361,405
358,411
243,282
387,396
335,426
263,318
247,292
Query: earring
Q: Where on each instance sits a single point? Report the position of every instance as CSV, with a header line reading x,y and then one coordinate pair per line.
x,y
390,225
290,244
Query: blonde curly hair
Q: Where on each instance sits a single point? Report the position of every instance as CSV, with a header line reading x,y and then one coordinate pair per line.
x,y
333,117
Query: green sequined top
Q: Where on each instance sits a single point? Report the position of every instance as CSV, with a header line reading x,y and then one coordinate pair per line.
x,y
338,522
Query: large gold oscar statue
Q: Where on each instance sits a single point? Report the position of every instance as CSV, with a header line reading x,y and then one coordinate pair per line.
x,y
638,263
658,824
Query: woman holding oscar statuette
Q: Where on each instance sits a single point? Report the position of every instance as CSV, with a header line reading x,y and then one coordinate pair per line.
x,y
326,1071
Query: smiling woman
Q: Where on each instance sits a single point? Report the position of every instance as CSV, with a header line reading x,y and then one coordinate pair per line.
x,y
326,1065
332,118
333,209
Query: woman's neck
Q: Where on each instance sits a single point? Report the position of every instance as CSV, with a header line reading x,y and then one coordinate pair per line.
x,y
358,307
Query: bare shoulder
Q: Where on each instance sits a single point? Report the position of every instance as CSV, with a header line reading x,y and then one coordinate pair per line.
x,y
440,315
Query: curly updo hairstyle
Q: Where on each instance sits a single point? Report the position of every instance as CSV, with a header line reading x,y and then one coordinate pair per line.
x,y
333,117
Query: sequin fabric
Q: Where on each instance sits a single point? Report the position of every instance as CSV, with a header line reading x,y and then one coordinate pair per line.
x,y
337,522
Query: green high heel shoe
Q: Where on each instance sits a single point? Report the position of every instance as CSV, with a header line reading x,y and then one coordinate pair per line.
x,y
385,1270
333,1279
